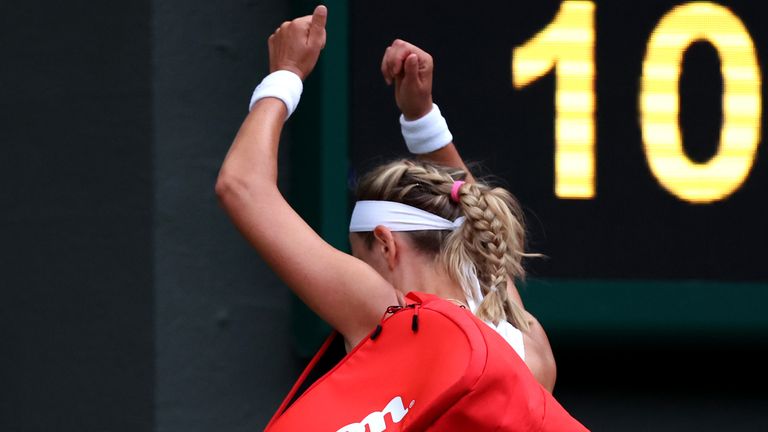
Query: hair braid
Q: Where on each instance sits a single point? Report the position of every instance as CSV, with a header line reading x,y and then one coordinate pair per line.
x,y
490,244
493,237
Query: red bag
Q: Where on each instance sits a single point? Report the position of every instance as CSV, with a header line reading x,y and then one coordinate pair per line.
x,y
431,365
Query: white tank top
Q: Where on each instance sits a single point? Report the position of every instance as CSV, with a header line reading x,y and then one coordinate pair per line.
x,y
510,333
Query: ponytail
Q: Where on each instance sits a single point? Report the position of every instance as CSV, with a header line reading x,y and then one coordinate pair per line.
x,y
485,253
492,239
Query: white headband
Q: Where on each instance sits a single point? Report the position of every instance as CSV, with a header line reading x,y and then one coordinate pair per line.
x,y
367,215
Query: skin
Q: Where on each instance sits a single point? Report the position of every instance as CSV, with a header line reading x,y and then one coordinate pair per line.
x,y
395,258
410,70
347,291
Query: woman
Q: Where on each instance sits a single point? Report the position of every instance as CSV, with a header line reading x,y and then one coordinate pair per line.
x,y
418,225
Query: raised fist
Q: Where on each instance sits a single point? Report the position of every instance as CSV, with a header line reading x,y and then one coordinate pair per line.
x,y
410,68
295,45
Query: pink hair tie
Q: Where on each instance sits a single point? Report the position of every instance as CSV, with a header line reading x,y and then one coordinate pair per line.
x,y
455,190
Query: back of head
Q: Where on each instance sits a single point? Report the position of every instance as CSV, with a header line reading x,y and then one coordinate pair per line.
x,y
487,250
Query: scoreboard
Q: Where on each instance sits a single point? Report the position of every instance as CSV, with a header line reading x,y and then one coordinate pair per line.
x,y
567,45
631,133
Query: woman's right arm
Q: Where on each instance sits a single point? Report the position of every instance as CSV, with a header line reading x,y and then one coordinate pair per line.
x,y
344,291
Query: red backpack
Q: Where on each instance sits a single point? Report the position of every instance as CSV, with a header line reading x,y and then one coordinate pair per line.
x,y
430,365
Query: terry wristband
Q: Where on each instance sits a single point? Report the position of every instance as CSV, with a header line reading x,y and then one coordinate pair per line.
x,y
426,134
281,84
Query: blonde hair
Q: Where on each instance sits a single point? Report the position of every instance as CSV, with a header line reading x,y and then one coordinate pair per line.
x,y
490,243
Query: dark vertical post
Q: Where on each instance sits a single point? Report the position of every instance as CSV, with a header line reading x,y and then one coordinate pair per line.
x,y
222,316
319,157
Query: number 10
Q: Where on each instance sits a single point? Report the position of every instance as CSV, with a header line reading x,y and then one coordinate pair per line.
x,y
567,45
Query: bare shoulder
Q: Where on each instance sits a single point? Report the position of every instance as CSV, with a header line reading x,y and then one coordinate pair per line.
x,y
538,353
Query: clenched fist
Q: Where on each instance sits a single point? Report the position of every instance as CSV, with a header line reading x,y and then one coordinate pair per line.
x,y
410,68
295,45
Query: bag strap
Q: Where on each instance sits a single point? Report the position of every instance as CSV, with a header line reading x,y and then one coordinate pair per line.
x,y
420,297
312,363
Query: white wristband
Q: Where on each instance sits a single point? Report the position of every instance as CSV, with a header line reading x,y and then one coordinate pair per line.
x,y
282,84
426,134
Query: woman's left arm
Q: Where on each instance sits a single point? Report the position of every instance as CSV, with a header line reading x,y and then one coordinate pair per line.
x,y
410,69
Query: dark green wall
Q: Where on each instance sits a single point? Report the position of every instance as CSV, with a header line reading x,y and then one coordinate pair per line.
x,y
76,268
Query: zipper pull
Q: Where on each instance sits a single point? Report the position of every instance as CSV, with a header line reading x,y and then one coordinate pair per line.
x,y
390,310
394,309
415,318
376,332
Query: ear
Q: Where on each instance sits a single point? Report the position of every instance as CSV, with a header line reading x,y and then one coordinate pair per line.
x,y
385,243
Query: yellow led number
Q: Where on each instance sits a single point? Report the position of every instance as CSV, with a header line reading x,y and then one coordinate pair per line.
x,y
567,44
659,103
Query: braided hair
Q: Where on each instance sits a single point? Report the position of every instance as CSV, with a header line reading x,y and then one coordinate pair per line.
x,y
490,243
